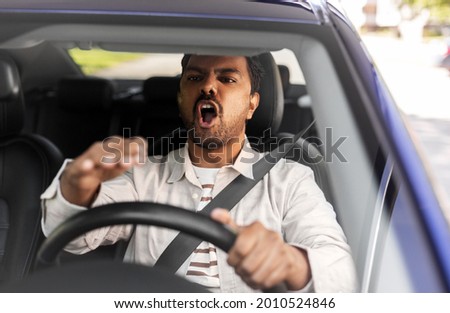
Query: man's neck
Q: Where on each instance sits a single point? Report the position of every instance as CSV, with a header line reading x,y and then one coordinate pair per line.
x,y
216,158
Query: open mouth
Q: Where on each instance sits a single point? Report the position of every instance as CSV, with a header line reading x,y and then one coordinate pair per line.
x,y
207,114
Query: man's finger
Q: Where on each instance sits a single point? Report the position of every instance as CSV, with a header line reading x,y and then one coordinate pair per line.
x,y
87,165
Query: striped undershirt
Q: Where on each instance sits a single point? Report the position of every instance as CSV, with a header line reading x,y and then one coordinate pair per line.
x,y
203,267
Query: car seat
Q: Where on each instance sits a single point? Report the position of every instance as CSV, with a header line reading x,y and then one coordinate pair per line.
x,y
81,114
28,163
161,114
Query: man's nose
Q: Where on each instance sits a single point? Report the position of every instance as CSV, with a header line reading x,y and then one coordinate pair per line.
x,y
209,87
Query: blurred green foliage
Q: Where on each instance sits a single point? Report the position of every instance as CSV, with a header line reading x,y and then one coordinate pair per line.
x,y
91,61
439,9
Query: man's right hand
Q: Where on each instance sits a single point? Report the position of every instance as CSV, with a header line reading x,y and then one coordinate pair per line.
x,y
104,160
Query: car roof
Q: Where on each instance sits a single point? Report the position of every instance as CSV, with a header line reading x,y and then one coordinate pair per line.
x,y
263,9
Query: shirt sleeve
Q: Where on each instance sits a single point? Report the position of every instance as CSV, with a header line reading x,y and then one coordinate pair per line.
x,y
310,223
56,209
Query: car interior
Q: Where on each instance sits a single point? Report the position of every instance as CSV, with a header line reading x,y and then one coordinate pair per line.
x,y
79,110
60,110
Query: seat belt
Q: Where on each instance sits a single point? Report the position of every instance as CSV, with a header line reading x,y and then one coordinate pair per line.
x,y
183,245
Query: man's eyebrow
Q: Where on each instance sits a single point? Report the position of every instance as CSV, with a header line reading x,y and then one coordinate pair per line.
x,y
194,69
228,71
225,70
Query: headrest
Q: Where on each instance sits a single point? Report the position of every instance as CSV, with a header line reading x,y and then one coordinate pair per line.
x,y
161,90
81,94
269,113
285,77
12,111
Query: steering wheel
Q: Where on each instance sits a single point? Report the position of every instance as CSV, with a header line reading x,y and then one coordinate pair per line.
x,y
145,213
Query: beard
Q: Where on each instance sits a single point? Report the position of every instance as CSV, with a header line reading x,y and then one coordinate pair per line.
x,y
218,137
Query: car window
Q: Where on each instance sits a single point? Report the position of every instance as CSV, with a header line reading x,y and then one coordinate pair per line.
x,y
125,65
136,65
335,133
287,58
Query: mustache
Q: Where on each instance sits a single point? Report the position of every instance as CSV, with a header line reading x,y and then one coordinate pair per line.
x,y
207,98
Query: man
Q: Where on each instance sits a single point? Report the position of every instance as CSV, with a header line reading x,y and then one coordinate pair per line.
x,y
287,231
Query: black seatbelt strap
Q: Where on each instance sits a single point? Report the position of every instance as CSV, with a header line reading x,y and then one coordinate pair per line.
x,y
183,245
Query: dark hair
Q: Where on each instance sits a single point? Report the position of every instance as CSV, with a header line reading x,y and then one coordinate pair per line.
x,y
254,67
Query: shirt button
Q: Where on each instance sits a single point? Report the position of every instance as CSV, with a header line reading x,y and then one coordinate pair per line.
x,y
194,196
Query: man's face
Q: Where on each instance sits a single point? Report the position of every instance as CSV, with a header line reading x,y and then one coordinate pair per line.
x,y
215,99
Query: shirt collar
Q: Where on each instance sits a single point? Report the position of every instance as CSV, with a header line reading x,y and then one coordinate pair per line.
x,y
181,163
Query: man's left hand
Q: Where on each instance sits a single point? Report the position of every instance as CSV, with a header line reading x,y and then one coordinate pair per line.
x,y
261,257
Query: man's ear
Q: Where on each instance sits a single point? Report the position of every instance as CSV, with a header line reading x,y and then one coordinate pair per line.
x,y
254,102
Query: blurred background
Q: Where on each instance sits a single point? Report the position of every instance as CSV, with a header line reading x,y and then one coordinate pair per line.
x,y
409,41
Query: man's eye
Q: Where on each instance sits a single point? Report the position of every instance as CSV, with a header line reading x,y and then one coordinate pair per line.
x,y
227,80
194,78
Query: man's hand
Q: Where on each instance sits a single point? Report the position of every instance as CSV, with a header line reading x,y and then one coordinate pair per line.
x,y
102,161
261,257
